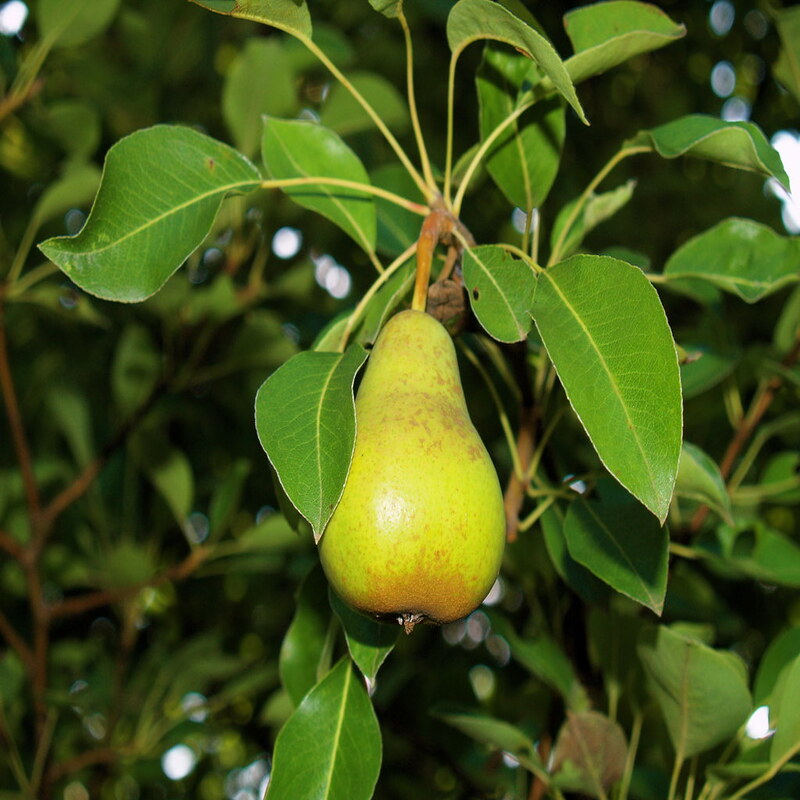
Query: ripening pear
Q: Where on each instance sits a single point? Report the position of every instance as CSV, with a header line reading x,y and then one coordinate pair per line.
x,y
419,531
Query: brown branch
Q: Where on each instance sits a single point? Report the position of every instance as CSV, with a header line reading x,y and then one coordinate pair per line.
x,y
103,755
73,606
758,407
11,546
16,425
11,102
15,641
82,482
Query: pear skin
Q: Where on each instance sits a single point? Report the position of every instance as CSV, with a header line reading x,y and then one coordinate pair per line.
x,y
420,529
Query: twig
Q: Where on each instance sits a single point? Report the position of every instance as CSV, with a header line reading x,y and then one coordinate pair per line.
x,y
87,602
15,641
15,423
103,755
11,546
13,100
758,407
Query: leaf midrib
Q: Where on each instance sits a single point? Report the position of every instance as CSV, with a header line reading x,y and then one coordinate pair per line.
x,y
338,733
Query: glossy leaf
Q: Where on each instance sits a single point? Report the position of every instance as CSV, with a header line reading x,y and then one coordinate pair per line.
x,y
496,733
291,16
259,81
740,256
500,290
305,417
304,656
604,35
787,68
70,24
331,745
368,640
303,149
160,192
607,335
699,479
342,113
472,20
589,754
623,545
735,144
524,160
597,209
702,693
785,715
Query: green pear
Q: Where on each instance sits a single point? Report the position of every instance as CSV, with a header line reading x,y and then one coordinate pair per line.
x,y
418,534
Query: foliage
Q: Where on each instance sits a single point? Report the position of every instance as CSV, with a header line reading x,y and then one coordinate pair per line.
x,y
629,340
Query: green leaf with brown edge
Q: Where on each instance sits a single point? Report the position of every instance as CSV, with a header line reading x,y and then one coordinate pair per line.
x,y
699,479
524,160
787,68
303,149
740,256
702,693
472,20
500,290
291,16
368,640
608,337
331,746
260,80
306,422
741,145
589,754
158,197
604,35
304,657
623,544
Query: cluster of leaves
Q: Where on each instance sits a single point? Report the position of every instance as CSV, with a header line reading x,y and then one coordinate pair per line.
x,y
593,472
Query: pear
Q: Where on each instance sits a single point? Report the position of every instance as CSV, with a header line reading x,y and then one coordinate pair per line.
x,y
418,534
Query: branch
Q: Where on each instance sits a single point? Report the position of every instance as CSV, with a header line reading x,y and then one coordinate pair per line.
x,y
13,100
15,423
758,407
11,546
16,642
87,602
103,755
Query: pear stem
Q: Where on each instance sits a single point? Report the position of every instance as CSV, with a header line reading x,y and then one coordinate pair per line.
x,y
409,620
437,226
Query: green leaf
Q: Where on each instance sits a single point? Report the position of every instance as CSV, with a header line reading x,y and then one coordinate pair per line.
x,y
69,24
496,733
788,322
702,693
304,657
708,369
368,640
342,113
597,209
500,291
398,228
775,663
623,545
785,715
699,479
288,15
472,20
741,145
76,126
160,192
607,335
389,8
303,149
260,80
604,35
76,187
226,496
136,368
168,469
306,421
787,68
589,754
740,256
70,412
524,160
542,657
385,301
331,745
